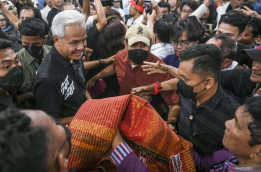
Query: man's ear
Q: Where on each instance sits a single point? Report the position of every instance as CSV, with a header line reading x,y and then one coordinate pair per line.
x,y
63,163
45,38
209,82
56,40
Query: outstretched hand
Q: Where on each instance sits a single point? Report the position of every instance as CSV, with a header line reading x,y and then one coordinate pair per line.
x,y
143,90
152,68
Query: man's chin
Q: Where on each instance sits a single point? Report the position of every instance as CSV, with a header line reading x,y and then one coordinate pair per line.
x,y
255,79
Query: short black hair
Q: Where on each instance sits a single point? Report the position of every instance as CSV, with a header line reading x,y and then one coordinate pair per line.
x,y
4,43
192,4
164,4
247,4
255,23
22,147
163,27
27,7
228,46
234,18
207,59
191,25
253,106
33,27
61,7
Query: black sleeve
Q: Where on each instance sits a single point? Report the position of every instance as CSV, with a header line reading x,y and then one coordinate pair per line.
x,y
48,97
237,83
93,42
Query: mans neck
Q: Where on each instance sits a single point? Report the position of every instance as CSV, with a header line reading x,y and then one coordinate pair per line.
x,y
60,52
158,41
137,15
208,94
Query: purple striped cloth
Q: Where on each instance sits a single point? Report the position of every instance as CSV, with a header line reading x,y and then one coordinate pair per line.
x,y
121,152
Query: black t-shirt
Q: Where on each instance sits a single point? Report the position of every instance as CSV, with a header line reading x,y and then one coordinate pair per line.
x,y
57,89
5,101
237,83
51,15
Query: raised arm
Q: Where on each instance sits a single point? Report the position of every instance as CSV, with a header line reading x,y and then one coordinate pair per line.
x,y
12,18
86,9
100,15
108,71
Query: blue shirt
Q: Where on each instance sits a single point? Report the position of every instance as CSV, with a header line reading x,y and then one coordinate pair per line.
x,y
172,60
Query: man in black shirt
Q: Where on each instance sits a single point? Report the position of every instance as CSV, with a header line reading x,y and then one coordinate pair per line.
x,y
241,83
59,86
54,11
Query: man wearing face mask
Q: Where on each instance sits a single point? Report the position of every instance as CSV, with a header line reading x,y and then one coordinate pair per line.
x,y
11,74
127,64
204,105
33,32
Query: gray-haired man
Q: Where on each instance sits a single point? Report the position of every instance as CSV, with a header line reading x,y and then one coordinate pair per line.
x,y
59,86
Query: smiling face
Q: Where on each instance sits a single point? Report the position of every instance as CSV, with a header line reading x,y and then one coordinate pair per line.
x,y
73,43
256,72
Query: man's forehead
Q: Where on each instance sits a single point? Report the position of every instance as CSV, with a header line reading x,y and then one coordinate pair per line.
x,y
7,53
214,41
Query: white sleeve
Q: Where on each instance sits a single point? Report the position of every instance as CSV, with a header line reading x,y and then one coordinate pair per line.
x,y
89,22
220,11
200,11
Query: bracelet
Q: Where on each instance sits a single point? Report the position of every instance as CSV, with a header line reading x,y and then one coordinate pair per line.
x,y
156,90
159,86
100,61
145,23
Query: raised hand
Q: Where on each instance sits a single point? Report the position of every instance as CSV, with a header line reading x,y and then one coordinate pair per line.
x,y
152,68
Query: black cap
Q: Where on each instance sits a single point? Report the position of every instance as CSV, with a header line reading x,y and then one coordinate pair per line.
x,y
254,54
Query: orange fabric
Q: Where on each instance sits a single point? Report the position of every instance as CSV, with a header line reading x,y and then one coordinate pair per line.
x,y
94,126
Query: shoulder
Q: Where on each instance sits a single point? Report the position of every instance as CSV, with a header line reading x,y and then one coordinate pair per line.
x,y
21,52
121,53
153,58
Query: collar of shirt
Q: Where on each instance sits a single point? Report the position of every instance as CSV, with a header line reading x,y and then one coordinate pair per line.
x,y
212,103
59,58
30,59
6,99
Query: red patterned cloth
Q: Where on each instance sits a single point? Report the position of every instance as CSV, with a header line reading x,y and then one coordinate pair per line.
x,y
94,126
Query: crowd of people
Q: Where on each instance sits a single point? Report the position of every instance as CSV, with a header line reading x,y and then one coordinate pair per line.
x,y
197,62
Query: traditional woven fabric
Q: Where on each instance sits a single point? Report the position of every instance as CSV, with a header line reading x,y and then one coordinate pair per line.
x,y
183,161
94,126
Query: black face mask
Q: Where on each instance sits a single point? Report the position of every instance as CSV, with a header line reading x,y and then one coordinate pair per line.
x,y
13,80
187,91
137,56
33,50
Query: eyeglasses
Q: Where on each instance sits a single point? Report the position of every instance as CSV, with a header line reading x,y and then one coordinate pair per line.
x,y
187,11
68,139
183,43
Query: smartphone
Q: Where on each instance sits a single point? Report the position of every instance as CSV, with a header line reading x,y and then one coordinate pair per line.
x,y
148,7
